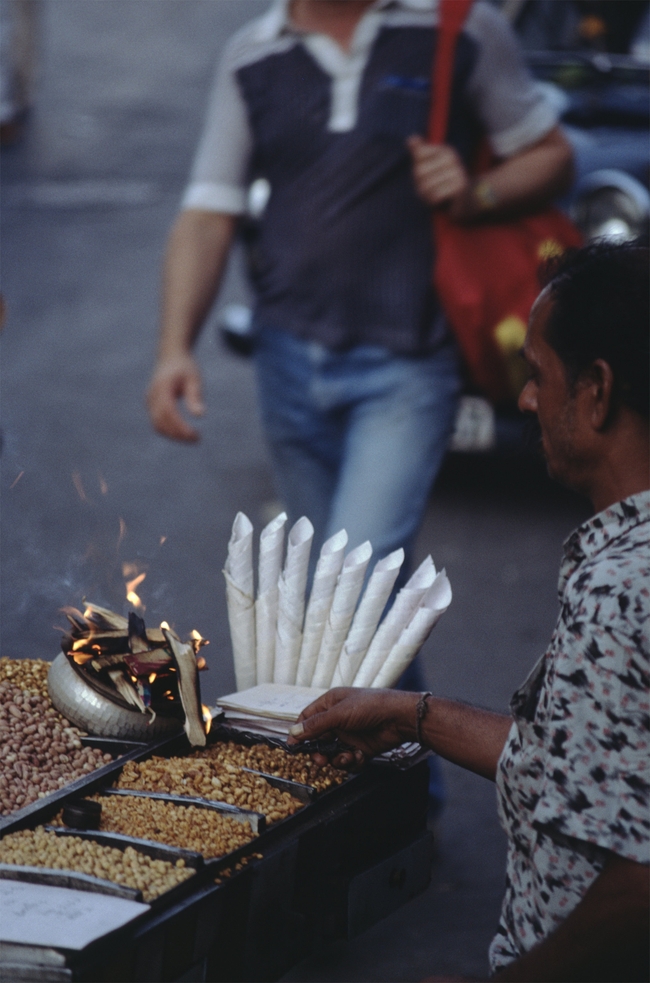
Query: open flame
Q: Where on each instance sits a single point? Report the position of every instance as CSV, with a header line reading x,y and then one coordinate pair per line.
x,y
133,579
207,718
197,641
131,595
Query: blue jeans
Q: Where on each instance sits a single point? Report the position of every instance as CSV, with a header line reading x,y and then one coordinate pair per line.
x,y
357,437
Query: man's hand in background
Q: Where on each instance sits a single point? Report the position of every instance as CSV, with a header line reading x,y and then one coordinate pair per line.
x,y
438,171
175,378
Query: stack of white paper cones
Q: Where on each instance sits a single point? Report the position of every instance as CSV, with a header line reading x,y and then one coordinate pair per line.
x,y
291,602
395,622
367,618
266,605
326,578
241,600
341,613
337,641
432,606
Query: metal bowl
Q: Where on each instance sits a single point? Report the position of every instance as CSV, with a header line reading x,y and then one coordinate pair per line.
x,y
86,708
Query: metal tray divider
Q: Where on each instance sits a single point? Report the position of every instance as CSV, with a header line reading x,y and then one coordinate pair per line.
x,y
74,879
257,820
152,848
305,793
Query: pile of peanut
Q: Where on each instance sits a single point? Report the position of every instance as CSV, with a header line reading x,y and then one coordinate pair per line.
x,y
40,751
274,761
40,848
203,830
209,780
26,674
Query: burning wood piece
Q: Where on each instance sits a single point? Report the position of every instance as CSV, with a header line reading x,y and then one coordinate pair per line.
x,y
108,643
197,641
126,690
76,619
148,669
137,634
188,685
103,619
146,662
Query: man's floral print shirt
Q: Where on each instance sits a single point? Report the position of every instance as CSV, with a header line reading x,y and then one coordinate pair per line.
x,y
572,781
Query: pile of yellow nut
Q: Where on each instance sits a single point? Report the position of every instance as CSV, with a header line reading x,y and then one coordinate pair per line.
x,y
274,761
41,848
26,674
209,779
203,830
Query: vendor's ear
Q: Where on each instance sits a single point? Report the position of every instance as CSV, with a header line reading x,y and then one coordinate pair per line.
x,y
599,384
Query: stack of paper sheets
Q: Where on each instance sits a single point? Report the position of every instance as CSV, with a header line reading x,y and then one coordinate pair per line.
x,y
338,638
269,709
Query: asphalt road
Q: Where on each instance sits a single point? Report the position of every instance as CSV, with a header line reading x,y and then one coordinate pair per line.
x,y
87,487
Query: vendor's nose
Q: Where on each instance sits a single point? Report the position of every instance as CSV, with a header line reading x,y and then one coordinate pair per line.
x,y
527,401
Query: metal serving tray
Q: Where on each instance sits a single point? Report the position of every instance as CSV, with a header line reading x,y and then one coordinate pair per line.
x,y
125,751
68,878
152,848
256,819
157,851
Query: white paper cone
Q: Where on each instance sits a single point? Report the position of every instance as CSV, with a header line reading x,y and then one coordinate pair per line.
x,y
341,613
266,606
434,604
291,602
367,618
395,622
326,577
238,572
271,550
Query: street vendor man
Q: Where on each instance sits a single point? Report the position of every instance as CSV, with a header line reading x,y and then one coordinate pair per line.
x,y
570,760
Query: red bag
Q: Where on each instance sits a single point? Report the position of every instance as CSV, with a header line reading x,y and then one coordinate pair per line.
x,y
486,274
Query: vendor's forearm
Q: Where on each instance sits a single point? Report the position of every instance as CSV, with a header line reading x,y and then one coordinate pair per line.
x,y
468,736
529,180
604,938
194,262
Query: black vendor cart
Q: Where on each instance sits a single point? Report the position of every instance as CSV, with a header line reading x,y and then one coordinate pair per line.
x,y
350,856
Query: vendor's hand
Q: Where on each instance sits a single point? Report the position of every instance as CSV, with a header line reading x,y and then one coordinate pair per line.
x,y
369,720
174,378
438,171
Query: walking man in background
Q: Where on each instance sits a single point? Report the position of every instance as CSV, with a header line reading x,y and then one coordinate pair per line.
x,y
358,375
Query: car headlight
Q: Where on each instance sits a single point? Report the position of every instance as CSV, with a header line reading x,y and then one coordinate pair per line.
x,y
611,205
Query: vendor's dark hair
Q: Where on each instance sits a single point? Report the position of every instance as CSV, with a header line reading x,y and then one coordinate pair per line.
x,y
601,310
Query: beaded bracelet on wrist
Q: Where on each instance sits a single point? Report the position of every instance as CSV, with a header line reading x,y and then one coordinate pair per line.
x,y
420,713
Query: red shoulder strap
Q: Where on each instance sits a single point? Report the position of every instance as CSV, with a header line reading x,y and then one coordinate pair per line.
x,y
452,16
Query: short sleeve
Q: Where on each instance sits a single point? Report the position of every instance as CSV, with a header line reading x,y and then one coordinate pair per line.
x,y
218,178
596,781
515,110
